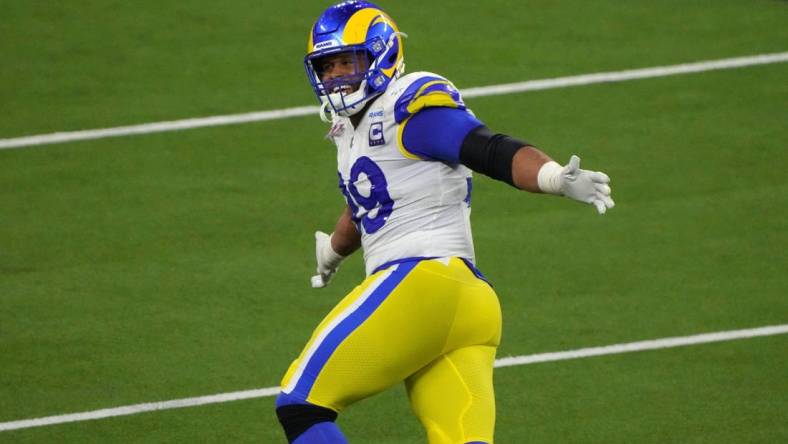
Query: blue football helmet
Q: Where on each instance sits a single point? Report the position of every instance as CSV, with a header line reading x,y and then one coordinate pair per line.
x,y
371,38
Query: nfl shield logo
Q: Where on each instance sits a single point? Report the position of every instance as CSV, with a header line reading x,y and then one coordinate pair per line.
x,y
376,134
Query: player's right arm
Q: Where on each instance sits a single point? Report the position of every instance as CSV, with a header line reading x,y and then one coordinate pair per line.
x,y
331,250
345,239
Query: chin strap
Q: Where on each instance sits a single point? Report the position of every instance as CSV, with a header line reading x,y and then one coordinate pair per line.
x,y
327,113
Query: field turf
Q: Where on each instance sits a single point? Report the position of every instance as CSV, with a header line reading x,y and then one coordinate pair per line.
x,y
174,265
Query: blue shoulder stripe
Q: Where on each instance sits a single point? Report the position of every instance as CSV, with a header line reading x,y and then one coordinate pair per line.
x,y
425,92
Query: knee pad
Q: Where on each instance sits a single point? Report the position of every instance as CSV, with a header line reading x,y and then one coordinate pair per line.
x,y
297,418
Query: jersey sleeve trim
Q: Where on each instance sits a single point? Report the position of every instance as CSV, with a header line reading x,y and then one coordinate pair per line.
x,y
401,145
427,91
436,133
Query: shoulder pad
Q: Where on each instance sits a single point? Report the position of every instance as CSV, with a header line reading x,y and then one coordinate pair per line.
x,y
425,90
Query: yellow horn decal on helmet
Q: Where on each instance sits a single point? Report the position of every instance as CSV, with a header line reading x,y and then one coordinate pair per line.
x,y
311,44
390,72
356,28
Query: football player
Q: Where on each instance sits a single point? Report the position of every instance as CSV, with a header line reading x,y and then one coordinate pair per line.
x,y
425,315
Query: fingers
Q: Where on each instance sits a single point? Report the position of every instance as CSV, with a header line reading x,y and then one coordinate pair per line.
x,y
603,196
602,189
317,281
608,202
572,167
591,187
320,280
602,200
599,177
603,203
574,162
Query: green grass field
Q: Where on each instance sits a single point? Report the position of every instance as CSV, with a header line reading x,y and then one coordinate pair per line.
x,y
174,265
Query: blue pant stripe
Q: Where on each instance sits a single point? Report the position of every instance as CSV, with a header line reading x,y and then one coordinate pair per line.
x,y
347,327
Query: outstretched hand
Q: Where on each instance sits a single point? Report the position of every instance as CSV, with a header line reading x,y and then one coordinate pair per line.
x,y
586,186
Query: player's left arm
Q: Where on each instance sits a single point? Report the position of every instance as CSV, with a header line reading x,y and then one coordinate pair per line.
x,y
534,171
522,165
455,136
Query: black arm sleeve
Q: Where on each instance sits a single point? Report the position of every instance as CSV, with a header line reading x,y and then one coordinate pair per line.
x,y
490,154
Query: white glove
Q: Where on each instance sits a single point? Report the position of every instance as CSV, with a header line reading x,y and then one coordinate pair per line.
x,y
327,260
586,186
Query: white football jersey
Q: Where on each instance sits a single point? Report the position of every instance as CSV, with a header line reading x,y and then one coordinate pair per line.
x,y
404,206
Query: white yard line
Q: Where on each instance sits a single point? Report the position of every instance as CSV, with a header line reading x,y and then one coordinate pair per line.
x,y
653,344
509,88
139,408
503,362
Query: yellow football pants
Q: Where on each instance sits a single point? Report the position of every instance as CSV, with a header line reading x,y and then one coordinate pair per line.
x,y
431,323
